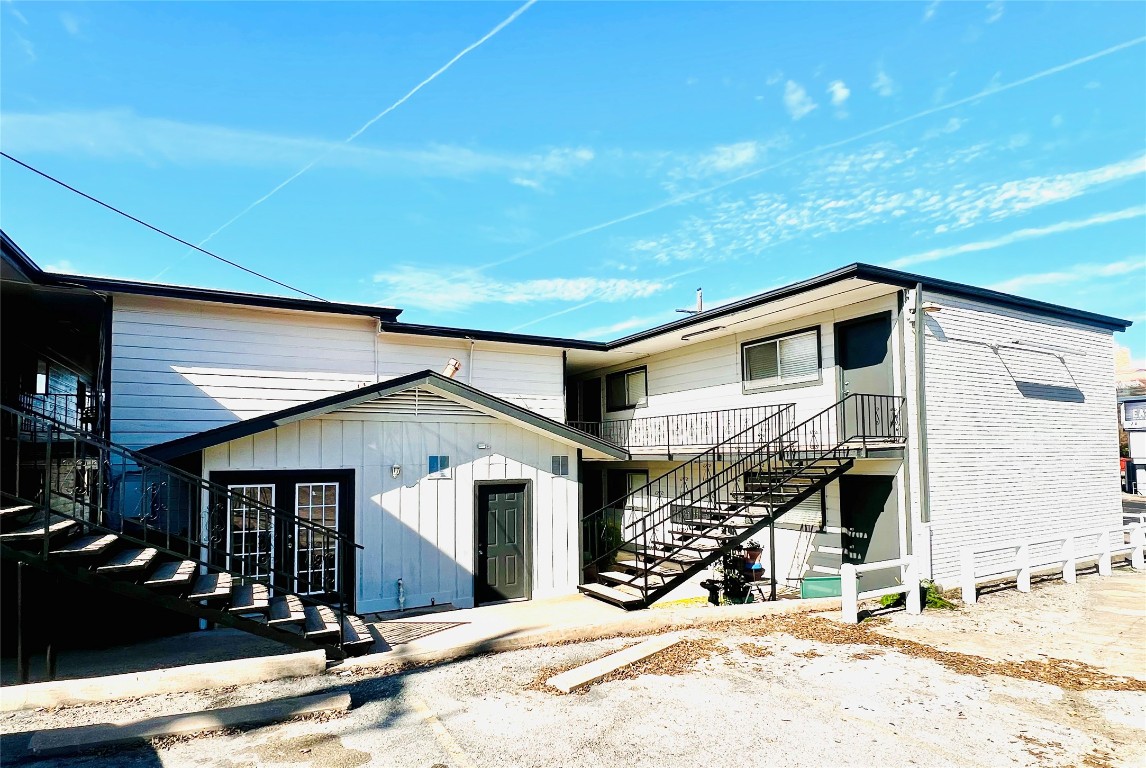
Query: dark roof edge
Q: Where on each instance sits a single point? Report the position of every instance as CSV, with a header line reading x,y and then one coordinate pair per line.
x,y
502,336
20,260
212,437
110,285
889,277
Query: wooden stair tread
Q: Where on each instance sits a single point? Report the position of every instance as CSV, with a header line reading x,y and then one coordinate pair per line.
x,y
16,511
286,609
211,586
356,632
174,573
610,595
129,560
86,545
35,529
250,598
321,621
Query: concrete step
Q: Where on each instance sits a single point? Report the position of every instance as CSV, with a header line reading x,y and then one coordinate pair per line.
x,y
177,573
128,561
250,598
611,595
211,586
636,580
285,609
95,544
56,526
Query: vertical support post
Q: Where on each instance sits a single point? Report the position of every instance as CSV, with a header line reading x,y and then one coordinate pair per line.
x,y
772,556
1023,561
50,635
849,593
1138,541
1069,565
22,650
1104,555
967,576
914,588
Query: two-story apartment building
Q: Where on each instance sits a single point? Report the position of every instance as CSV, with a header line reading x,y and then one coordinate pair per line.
x,y
860,415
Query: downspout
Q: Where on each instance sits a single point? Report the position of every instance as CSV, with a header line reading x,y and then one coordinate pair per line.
x,y
909,547
921,406
470,364
377,335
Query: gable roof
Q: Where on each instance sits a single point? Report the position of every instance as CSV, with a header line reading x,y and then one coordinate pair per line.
x,y
450,388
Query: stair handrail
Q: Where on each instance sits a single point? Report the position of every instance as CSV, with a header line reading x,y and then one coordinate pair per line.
x,y
148,463
775,449
202,541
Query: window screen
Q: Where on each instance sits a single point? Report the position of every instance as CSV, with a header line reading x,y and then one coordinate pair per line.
x,y
626,389
789,359
561,465
439,466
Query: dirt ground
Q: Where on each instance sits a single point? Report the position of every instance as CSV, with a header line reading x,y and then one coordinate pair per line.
x,y
1053,678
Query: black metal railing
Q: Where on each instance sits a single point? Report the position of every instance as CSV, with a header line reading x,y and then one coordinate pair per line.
x,y
679,432
714,482
111,489
64,408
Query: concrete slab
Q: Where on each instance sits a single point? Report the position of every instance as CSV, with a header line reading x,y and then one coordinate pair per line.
x,y
193,677
587,674
66,741
565,619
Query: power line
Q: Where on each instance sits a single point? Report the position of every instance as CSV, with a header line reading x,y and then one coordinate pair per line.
x,y
154,228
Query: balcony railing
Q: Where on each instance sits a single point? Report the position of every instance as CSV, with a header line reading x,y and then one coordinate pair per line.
x,y
64,408
679,432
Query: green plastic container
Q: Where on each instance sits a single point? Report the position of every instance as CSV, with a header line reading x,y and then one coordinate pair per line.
x,y
820,586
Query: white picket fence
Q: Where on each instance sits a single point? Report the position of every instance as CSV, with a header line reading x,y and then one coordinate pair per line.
x,y
851,594
1063,551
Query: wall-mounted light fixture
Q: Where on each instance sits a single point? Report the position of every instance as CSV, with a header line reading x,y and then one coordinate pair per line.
x,y
396,471
483,446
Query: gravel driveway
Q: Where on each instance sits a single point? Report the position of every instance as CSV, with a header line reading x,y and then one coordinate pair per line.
x,y
792,691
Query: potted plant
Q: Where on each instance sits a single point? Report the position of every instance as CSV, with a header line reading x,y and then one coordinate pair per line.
x,y
752,551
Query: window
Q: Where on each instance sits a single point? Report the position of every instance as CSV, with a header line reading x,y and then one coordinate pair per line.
x,y
41,377
561,465
439,468
790,359
626,389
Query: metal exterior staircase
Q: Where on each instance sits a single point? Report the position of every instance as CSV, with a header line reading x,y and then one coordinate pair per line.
x,y
82,508
646,544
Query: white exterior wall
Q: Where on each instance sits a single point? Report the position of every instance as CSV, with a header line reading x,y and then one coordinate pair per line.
x,y
181,367
1019,443
706,376
418,529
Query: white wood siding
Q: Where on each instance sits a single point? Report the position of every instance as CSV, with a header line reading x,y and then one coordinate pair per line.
x,y
706,376
181,367
1020,444
418,529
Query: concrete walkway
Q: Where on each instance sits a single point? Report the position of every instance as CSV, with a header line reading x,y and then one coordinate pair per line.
x,y
569,618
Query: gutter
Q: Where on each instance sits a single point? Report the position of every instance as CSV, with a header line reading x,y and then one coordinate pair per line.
x,y
921,406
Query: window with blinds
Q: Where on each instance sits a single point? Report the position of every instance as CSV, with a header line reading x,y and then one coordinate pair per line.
x,y
784,360
626,389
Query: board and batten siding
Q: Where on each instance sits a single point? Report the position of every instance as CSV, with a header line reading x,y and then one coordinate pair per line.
x,y
418,529
1021,443
180,367
706,376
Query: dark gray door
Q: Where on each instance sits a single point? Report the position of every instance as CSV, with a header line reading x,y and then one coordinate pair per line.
x,y
863,354
501,543
870,521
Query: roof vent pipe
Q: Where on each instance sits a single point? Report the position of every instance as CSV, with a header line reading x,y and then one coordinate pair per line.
x,y
452,368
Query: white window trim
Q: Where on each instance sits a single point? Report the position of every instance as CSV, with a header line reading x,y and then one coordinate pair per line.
x,y
642,402
441,474
776,382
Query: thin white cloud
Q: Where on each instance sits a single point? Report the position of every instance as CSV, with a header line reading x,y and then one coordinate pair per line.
x,y
929,11
994,11
120,134
774,78
1073,274
71,24
729,157
527,183
839,92
680,199
439,288
797,101
64,266
1015,237
952,125
883,84
613,330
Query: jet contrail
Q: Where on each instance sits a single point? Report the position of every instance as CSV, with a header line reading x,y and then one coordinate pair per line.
x,y
508,20
788,160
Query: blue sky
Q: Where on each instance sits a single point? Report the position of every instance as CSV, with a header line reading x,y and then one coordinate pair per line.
x,y
582,170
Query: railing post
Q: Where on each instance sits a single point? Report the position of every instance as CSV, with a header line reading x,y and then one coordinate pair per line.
x,y
1138,541
1069,564
849,593
967,576
1104,555
1023,561
914,588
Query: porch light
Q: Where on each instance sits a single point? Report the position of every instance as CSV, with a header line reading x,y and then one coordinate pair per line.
x,y
396,471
